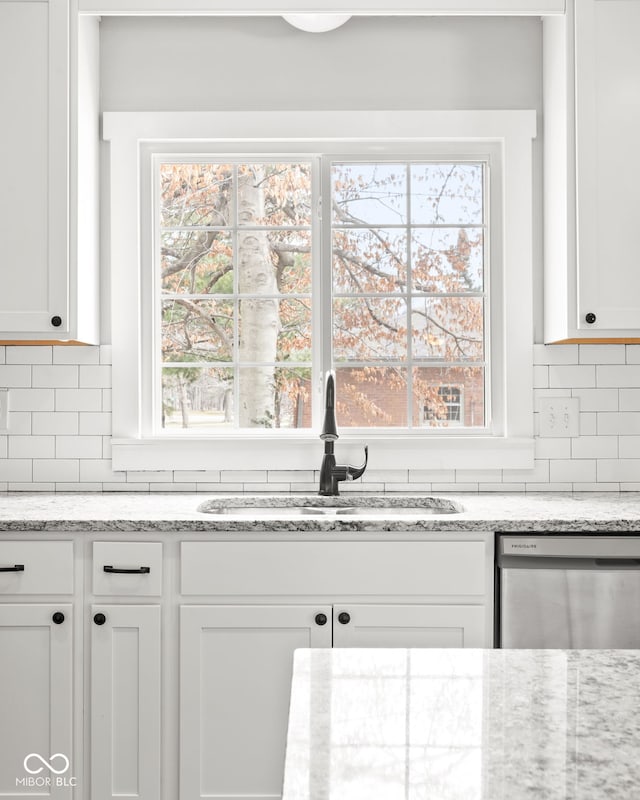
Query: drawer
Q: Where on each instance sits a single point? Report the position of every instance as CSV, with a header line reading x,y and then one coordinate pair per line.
x,y
47,567
127,568
333,568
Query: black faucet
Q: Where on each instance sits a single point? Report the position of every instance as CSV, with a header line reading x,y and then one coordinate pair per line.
x,y
330,472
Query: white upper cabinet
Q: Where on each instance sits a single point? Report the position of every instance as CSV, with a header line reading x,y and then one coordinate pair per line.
x,y
592,202
43,296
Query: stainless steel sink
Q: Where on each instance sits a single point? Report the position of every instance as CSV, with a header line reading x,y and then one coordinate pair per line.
x,y
361,505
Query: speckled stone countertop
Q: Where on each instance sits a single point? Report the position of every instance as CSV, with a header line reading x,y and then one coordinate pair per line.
x,y
585,512
464,725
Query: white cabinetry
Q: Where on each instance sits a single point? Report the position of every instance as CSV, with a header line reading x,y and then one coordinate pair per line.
x,y
408,626
126,671
36,669
235,678
592,204
125,702
259,601
44,296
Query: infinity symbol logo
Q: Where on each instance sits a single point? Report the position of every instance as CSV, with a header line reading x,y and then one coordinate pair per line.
x,y
46,763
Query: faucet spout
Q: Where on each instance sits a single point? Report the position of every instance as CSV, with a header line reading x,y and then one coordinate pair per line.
x,y
330,472
329,426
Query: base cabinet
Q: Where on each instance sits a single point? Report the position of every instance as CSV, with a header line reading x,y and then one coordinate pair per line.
x,y
161,669
408,626
235,676
125,702
36,700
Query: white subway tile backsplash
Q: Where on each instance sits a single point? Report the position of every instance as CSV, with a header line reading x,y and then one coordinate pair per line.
x,y
541,377
105,354
573,376
629,399
555,354
56,469
32,354
553,448
246,476
572,470
15,375
99,471
54,422
19,422
602,354
594,447
618,470
620,424
629,447
95,377
78,400
597,399
79,447
16,470
32,447
94,423
619,375
76,355
54,376
31,399
59,435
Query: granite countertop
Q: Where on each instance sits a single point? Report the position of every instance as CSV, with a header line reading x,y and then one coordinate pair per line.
x,y
590,512
464,725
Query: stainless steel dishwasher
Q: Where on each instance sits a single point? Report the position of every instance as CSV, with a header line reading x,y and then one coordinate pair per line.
x,y
569,591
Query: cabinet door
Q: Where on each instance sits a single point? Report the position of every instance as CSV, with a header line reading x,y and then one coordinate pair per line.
x,y
33,141
408,626
235,681
125,702
608,130
36,688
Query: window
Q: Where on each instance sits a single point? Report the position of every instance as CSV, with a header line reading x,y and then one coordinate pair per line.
x,y
250,252
406,288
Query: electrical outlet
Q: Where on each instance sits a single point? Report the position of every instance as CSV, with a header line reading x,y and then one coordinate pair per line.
x,y
559,416
4,410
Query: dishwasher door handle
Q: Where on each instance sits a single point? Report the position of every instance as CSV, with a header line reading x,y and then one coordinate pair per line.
x,y
560,562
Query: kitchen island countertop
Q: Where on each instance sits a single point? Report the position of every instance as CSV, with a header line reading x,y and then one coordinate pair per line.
x,y
464,725
510,512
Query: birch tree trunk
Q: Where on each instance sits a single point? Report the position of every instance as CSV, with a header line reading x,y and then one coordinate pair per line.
x,y
259,318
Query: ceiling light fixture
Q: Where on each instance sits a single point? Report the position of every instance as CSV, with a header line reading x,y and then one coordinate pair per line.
x,y
316,23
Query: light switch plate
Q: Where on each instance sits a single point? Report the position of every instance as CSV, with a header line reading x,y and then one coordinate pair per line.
x,y
559,416
4,410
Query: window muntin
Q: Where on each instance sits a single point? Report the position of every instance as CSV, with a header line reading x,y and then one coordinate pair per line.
x,y
408,287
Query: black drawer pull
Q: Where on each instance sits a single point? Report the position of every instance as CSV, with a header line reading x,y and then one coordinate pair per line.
x,y
135,571
15,568
99,619
58,618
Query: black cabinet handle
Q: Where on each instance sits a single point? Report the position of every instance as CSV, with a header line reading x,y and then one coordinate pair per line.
x,y
135,571
590,318
344,618
321,619
14,568
99,619
58,617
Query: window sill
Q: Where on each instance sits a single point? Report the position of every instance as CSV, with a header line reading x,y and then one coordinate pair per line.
x,y
304,453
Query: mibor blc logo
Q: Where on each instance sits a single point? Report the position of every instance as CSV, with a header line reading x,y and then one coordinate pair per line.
x,y
46,772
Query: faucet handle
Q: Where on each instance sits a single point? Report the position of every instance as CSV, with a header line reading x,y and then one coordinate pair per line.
x,y
356,472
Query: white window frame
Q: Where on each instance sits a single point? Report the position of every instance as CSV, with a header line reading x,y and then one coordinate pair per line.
x,y
132,135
